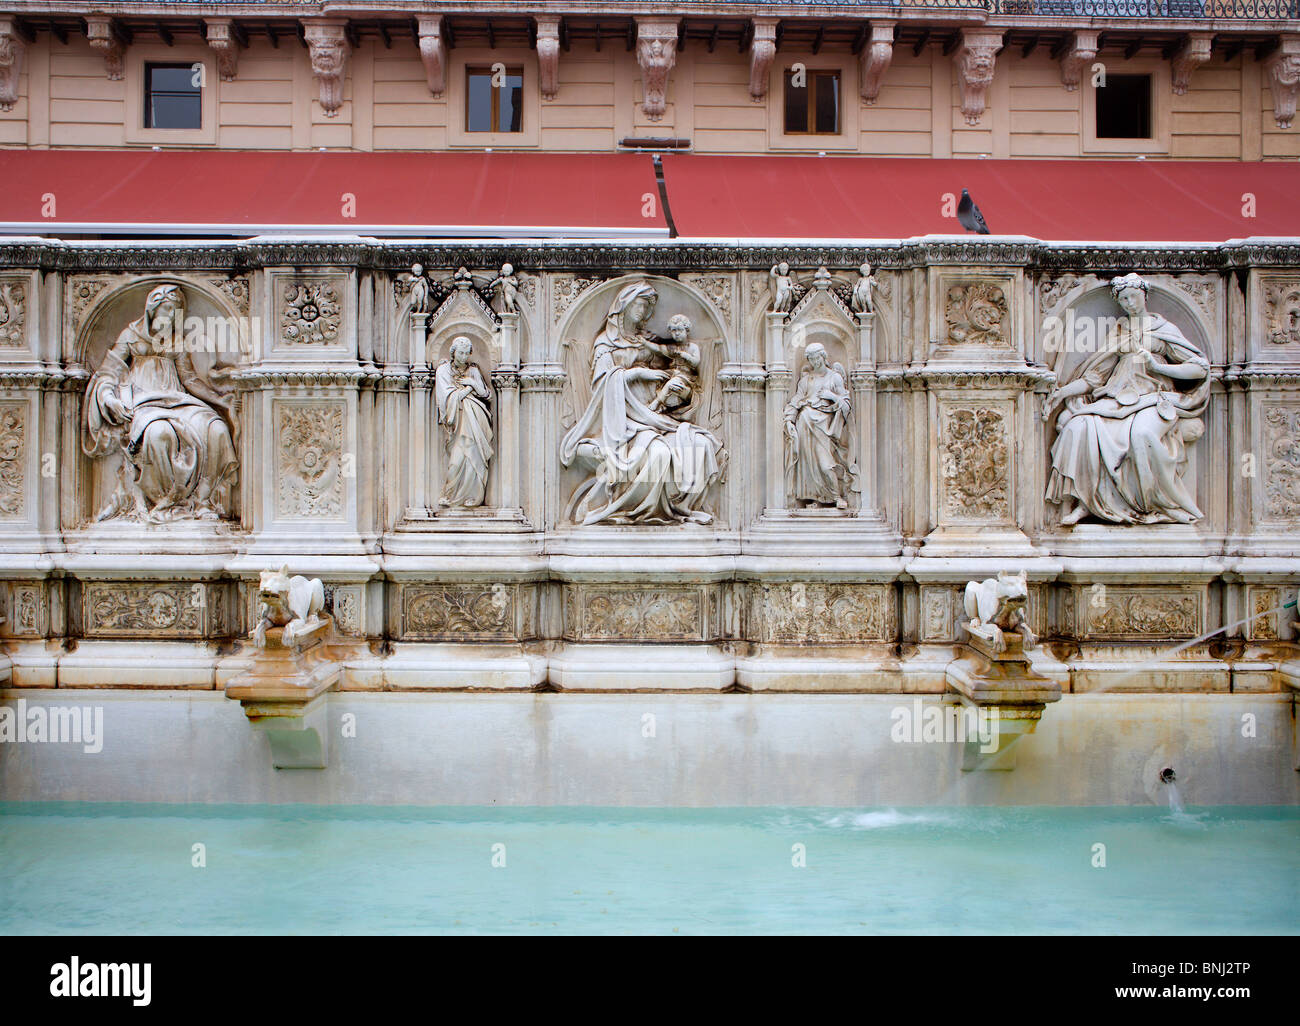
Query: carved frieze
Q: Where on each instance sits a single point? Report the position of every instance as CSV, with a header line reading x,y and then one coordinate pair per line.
x,y
1282,299
140,609
974,463
13,460
459,612
1132,613
1282,461
309,468
801,613
651,613
976,314
13,312
311,312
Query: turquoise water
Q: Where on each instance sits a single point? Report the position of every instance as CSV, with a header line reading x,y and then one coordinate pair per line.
x,y
127,869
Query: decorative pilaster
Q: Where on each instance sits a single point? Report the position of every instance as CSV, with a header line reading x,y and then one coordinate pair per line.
x,y
105,37
328,45
548,55
12,51
417,455
433,51
975,60
1194,52
1283,71
1082,50
220,34
862,383
762,50
779,378
656,52
876,56
506,380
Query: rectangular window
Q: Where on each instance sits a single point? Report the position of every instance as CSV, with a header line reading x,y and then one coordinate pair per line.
x,y
813,106
172,96
1124,107
494,101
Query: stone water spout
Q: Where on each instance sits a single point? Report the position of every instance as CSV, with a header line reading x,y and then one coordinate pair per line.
x,y
992,673
293,666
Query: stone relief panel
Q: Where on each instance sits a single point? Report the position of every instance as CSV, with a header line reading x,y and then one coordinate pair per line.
x,y
802,613
140,609
938,606
28,614
344,601
653,613
642,406
1124,613
13,460
311,311
1282,303
1263,601
1281,460
467,612
977,314
309,442
13,312
975,462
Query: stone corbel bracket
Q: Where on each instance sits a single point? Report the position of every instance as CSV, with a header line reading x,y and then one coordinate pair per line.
x,y
106,37
13,48
876,56
1082,50
762,51
433,51
548,55
1283,70
328,46
656,52
975,59
1194,51
222,39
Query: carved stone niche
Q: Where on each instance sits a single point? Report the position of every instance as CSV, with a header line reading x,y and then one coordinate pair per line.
x,y
197,364
463,440
678,473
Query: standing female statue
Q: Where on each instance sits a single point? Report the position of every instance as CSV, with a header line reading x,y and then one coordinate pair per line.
x,y
462,398
646,466
1130,411
817,422
172,426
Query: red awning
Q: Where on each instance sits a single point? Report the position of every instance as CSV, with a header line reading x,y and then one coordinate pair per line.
x,y
190,192
843,198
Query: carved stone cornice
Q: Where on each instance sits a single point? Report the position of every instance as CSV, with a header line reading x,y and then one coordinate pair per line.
x,y
220,33
13,48
975,379
548,55
975,61
302,377
1082,50
656,52
1248,378
762,50
104,37
1194,51
875,59
328,46
43,378
1283,71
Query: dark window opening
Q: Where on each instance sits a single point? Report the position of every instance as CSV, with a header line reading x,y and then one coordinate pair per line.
x,y
172,96
812,107
494,102
1124,107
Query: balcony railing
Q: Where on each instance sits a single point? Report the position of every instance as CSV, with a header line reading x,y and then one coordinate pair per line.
x,y
1237,10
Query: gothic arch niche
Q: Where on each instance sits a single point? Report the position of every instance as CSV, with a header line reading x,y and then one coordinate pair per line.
x,y
485,355
1074,334
679,413
216,339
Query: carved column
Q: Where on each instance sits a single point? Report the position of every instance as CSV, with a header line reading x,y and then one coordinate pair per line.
x,y
417,455
975,60
220,34
327,43
506,380
12,50
104,37
540,385
1194,52
548,55
876,56
1082,50
1283,71
762,50
862,383
433,51
656,52
779,378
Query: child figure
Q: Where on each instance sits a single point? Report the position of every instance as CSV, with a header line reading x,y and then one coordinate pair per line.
x,y
678,391
506,285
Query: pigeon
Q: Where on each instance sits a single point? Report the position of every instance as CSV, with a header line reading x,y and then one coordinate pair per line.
x,y
969,215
